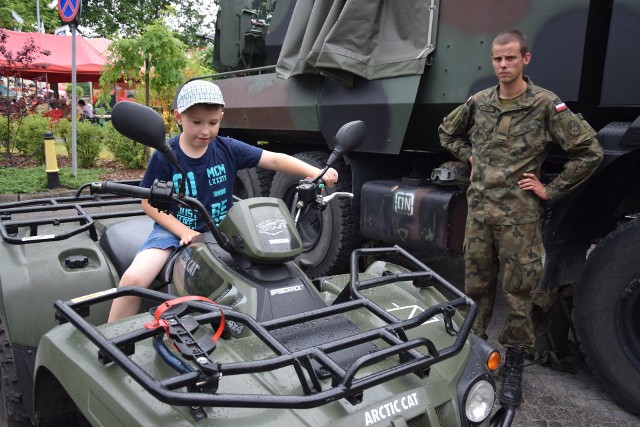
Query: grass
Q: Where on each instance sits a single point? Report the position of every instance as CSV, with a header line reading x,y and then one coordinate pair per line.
x,y
34,179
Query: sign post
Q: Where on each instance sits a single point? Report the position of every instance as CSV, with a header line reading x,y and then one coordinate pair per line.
x,y
70,12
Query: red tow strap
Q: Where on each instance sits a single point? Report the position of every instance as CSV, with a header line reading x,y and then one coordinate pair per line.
x,y
162,323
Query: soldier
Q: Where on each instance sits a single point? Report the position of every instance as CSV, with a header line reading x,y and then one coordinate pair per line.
x,y
504,134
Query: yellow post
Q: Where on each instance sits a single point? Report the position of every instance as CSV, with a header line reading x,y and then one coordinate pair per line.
x,y
51,162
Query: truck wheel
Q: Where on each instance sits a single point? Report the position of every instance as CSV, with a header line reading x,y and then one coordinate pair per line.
x,y
252,182
607,314
14,411
328,237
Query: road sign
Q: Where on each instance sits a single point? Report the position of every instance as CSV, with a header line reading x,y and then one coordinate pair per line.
x,y
69,10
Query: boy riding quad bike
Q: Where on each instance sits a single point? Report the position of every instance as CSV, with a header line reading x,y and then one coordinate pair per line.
x,y
241,336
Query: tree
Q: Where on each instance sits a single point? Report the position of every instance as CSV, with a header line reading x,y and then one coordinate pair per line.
x,y
156,58
156,53
27,11
13,65
129,18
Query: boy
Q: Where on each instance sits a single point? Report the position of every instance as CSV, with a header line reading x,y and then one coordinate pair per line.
x,y
210,163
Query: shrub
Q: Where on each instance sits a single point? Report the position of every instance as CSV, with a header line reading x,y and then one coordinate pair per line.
x,y
30,136
89,141
125,151
7,133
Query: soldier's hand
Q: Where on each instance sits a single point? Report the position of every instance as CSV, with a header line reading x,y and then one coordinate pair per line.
x,y
530,182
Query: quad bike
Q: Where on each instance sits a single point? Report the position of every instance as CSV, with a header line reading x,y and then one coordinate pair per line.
x,y
234,333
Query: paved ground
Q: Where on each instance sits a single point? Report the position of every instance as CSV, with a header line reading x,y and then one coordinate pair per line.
x,y
551,398
555,398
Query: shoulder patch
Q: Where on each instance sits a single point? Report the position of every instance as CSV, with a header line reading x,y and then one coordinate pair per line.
x,y
574,128
561,107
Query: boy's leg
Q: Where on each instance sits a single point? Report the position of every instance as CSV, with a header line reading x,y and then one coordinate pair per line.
x,y
144,268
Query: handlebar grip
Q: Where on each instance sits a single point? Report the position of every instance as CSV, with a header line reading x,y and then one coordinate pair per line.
x,y
121,189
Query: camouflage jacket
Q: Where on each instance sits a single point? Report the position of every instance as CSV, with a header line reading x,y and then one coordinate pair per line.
x,y
506,142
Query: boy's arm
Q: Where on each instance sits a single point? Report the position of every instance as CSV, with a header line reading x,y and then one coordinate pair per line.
x,y
284,163
170,223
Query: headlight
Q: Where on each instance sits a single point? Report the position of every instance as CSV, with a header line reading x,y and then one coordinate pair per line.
x,y
479,401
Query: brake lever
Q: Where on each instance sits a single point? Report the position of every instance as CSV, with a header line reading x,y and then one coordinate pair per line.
x,y
321,201
327,199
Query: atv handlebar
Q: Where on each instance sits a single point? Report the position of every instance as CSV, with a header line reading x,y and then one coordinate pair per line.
x,y
121,189
160,196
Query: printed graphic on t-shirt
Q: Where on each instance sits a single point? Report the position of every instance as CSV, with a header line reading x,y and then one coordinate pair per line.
x,y
216,176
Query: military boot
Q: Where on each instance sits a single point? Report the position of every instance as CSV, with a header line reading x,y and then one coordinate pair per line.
x,y
511,392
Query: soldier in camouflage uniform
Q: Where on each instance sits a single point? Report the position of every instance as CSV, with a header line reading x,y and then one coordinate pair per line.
x,y
504,134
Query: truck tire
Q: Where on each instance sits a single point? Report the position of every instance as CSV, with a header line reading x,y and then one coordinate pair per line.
x,y
252,182
607,314
14,410
328,238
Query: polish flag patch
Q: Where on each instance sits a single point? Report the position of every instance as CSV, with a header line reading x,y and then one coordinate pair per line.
x,y
561,107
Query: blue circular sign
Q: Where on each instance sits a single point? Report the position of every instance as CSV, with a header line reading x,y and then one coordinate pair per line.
x,y
69,9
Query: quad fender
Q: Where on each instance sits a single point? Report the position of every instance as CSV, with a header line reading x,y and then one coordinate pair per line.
x,y
34,276
594,209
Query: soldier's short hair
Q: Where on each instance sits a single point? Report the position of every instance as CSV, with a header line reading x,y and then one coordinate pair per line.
x,y
510,36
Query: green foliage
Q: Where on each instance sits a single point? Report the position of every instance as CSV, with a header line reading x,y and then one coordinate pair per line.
x,y
30,136
79,92
125,151
8,128
86,89
63,130
89,140
12,65
33,180
156,60
111,18
27,11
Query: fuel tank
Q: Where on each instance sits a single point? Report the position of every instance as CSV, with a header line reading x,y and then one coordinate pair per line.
x,y
414,214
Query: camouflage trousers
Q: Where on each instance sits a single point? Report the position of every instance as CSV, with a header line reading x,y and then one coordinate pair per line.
x,y
511,255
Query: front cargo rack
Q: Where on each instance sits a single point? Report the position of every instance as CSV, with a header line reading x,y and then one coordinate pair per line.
x,y
196,384
80,210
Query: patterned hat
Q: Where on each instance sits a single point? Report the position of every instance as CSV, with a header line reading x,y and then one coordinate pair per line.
x,y
198,92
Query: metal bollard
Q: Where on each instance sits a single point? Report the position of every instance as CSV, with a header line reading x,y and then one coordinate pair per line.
x,y
51,162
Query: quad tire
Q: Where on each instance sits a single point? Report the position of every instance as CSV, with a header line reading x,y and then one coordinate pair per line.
x,y
607,314
329,236
14,410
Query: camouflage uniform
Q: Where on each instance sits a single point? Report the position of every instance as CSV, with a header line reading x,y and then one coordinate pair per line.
x,y
503,238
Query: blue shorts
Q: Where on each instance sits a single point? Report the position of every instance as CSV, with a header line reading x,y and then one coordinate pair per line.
x,y
160,238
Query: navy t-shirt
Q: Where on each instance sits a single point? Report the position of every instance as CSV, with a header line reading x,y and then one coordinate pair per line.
x,y
210,178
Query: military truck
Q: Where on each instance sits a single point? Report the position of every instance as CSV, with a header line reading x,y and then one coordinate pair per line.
x,y
292,73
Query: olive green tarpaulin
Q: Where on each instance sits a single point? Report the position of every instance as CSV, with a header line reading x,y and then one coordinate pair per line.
x,y
373,39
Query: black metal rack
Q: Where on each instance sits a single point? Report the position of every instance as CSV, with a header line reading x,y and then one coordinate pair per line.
x,y
59,211
201,380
